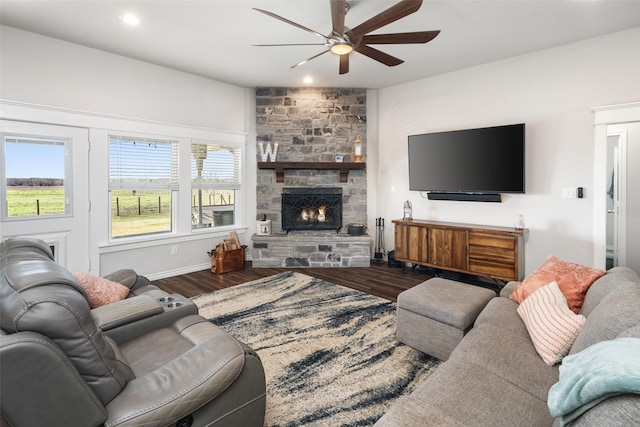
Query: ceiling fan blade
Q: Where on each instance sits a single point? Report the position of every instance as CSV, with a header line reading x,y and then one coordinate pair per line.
x,y
292,44
400,38
309,59
344,64
338,10
395,12
295,24
378,55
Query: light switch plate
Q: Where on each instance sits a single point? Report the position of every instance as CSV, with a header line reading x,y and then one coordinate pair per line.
x,y
569,193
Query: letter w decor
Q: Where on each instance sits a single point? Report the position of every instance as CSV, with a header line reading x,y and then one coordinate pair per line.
x,y
268,153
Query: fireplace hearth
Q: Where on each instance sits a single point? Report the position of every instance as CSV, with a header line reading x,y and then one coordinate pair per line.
x,y
311,209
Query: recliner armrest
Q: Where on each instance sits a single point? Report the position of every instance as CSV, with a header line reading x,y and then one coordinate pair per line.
x,y
124,276
132,317
126,311
136,283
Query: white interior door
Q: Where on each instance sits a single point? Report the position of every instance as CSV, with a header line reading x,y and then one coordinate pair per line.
x,y
66,232
616,189
609,121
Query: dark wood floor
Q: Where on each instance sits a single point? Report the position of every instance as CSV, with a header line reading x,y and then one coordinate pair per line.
x,y
379,279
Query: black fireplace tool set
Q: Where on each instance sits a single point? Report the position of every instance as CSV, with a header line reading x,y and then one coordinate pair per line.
x,y
378,255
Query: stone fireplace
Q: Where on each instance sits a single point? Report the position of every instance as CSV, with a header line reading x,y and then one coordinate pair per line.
x,y
311,209
311,126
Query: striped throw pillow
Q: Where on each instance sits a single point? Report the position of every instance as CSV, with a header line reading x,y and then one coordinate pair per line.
x,y
551,324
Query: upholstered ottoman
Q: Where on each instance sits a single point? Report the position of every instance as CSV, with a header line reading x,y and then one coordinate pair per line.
x,y
434,316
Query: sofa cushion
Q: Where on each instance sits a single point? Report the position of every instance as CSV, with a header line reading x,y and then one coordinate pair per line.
x,y
410,412
474,396
100,291
501,313
616,279
508,356
617,411
633,332
616,313
572,279
551,325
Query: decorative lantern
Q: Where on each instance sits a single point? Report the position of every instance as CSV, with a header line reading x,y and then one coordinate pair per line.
x,y
408,211
357,149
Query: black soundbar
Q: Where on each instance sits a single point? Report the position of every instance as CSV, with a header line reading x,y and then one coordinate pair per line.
x,y
465,197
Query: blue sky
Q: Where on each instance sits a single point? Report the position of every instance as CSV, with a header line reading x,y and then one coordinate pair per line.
x,y
46,160
34,160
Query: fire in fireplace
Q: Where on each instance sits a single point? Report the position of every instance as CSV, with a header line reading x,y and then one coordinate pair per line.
x,y
311,209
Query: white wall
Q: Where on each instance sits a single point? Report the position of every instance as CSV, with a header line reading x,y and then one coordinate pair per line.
x,y
553,92
47,71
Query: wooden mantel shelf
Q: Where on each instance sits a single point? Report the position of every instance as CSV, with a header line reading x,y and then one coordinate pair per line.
x,y
344,168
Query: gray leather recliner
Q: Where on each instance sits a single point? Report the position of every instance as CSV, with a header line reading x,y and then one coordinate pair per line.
x,y
139,362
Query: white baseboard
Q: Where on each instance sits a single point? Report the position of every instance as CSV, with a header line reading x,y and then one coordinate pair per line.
x,y
177,271
184,270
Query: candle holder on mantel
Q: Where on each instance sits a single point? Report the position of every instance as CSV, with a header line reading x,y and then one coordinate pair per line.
x,y
357,149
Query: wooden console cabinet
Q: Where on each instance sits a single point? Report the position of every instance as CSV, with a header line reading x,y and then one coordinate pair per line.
x,y
488,251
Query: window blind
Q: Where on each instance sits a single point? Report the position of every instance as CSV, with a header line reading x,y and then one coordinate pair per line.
x,y
136,163
215,166
33,140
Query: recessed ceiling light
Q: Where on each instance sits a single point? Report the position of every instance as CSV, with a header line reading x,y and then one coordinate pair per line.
x,y
130,19
308,80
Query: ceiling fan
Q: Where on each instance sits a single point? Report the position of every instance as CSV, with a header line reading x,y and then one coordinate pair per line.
x,y
342,40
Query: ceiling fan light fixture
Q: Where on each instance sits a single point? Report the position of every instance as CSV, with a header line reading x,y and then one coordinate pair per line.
x,y
343,40
341,49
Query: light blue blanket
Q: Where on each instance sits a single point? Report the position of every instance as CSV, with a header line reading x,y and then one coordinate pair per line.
x,y
587,378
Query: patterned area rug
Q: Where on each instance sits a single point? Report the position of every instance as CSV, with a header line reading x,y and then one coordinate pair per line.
x,y
329,352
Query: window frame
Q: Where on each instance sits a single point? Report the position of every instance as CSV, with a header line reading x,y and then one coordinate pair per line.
x,y
68,176
181,224
172,187
235,184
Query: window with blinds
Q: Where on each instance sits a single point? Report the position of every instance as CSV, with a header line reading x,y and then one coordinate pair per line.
x,y
215,178
143,176
136,163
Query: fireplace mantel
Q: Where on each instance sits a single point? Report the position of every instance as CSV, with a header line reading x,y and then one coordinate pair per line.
x,y
344,168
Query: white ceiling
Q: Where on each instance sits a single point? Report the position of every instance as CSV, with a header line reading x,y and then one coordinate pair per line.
x,y
214,38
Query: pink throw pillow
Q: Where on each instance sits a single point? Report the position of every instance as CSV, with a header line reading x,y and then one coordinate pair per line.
x,y
573,280
100,291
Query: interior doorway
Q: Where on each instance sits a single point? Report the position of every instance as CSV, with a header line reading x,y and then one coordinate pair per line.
x,y
616,197
623,210
617,145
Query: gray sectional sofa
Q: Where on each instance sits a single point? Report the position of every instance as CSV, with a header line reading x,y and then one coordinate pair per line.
x,y
495,377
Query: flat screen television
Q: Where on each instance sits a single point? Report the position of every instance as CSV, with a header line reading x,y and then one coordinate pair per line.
x,y
469,164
